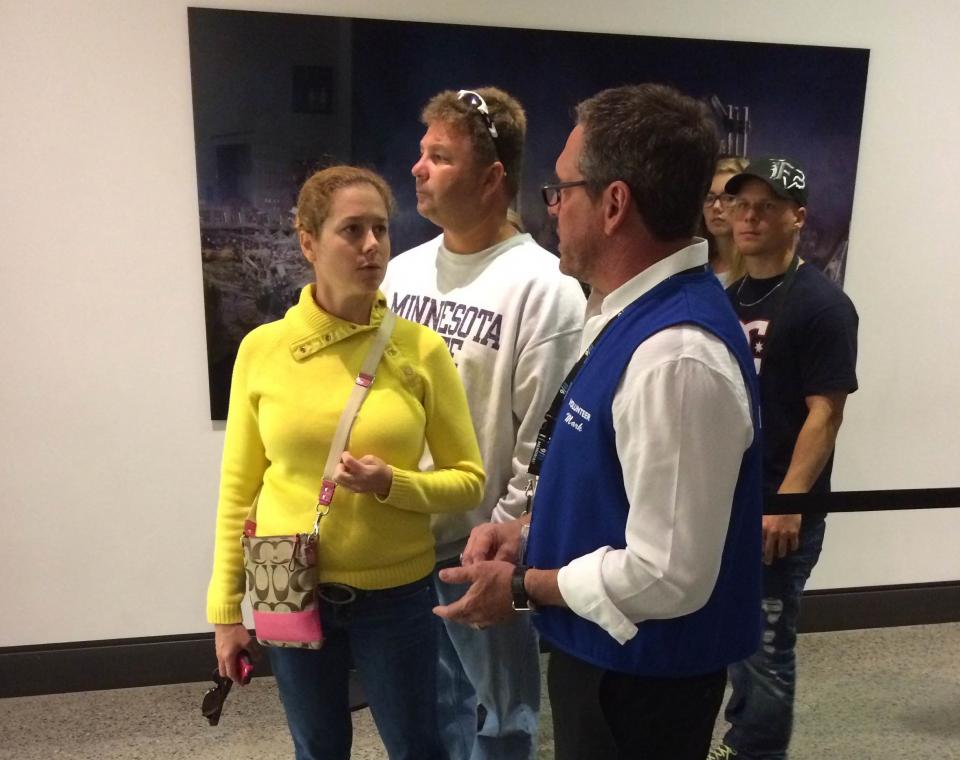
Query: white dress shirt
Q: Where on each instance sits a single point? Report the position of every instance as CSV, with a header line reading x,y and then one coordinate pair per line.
x,y
682,420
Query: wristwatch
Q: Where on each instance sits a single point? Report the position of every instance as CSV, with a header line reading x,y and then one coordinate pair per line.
x,y
521,602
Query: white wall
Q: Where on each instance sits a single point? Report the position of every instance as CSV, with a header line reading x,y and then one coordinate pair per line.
x,y
108,461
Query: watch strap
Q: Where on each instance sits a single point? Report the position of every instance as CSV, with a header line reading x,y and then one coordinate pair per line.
x,y
521,602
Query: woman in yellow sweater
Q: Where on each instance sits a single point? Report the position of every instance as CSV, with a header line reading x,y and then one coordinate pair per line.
x,y
290,384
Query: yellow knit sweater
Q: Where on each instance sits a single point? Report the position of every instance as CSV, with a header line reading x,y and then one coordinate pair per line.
x,y
290,383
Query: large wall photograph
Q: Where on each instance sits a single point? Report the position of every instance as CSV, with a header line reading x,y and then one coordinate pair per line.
x,y
277,96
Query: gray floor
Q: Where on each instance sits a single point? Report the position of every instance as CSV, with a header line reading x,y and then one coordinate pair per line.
x,y
871,695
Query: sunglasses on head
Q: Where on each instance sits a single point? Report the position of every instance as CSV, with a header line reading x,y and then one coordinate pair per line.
x,y
479,105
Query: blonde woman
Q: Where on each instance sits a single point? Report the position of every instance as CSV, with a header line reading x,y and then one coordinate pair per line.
x,y
725,261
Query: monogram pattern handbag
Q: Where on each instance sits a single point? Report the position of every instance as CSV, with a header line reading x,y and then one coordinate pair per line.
x,y
281,571
281,582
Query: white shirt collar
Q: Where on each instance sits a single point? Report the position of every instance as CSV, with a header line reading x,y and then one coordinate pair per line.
x,y
693,255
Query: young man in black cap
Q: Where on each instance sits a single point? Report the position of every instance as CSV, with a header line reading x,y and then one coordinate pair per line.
x,y
802,330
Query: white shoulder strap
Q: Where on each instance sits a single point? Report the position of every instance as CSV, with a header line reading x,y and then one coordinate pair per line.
x,y
362,385
342,434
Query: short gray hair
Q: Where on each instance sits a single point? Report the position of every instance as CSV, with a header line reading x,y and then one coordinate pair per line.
x,y
662,143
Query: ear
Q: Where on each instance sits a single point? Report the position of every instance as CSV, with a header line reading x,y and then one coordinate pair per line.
x,y
493,177
306,245
800,218
616,202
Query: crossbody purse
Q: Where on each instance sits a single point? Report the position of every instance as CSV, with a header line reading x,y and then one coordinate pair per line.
x,y
281,571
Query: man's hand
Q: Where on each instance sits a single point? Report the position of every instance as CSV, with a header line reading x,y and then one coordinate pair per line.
x,y
488,600
490,541
781,535
368,474
230,640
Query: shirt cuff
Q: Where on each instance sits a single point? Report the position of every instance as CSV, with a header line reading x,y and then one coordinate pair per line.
x,y
582,588
501,515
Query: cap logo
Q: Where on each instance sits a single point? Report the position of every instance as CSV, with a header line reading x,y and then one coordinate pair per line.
x,y
787,174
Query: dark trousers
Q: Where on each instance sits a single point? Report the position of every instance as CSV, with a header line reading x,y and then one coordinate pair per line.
x,y
603,715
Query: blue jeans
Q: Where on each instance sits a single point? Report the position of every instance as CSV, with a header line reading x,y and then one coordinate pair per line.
x,y
392,637
760,709
489,685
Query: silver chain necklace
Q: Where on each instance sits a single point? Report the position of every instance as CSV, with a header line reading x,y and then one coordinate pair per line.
x,y
761,298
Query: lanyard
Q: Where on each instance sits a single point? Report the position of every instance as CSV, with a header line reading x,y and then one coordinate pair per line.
x,y
550,418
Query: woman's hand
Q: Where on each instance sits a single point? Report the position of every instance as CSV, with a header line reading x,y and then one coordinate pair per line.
x,y
230,640
368,474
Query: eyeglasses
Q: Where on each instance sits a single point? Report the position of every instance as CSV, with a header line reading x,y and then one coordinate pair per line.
x,y
741,206
725,199
478,104
551,193
213,698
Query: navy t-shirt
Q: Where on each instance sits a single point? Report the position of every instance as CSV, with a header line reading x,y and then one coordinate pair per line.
x,y
814,352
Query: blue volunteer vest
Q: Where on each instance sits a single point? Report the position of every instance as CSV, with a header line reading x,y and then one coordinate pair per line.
x,y
581,504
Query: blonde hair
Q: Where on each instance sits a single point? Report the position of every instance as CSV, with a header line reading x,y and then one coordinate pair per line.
x,y
316,195
732,164
508,117
727,165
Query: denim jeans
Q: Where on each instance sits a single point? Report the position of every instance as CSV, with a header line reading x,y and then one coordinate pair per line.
x,y
760,709
391,635
489,685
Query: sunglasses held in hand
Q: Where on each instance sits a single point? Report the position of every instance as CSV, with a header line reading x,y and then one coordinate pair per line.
x,y
213,698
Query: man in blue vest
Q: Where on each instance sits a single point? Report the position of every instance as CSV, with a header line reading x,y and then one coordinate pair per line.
x,y
643,557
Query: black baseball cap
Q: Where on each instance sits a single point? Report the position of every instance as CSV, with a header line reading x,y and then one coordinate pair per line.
x,y
783,175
